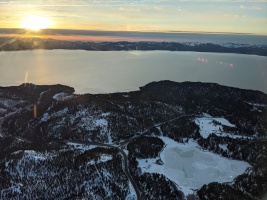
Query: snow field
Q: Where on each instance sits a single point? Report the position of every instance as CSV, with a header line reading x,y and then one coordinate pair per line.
x,y
81,146
207,126
190,167
103,158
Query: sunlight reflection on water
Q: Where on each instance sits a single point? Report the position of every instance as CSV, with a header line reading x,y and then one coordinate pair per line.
x,y
118,71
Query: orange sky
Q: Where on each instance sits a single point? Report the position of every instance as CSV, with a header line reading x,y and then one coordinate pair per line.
x,y
142,15
86,38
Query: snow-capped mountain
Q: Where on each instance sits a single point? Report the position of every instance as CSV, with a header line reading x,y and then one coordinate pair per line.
x,y
13,44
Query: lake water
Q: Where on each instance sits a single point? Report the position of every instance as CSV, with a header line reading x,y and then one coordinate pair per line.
x,y
119,71
190,167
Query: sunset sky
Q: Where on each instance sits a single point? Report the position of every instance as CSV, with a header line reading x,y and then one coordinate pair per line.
x,y
141,15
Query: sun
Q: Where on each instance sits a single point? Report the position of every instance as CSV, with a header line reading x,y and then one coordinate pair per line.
x,y
36,23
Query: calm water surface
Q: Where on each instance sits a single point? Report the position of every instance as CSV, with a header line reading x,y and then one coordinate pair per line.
x,y
118,71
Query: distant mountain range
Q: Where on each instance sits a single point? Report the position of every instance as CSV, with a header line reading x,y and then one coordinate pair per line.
x,y
15,44
55,144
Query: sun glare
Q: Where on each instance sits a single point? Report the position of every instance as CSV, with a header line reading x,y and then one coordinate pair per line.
x,y
36,23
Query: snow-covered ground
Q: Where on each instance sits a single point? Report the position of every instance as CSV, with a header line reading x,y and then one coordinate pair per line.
x,y
62,96
81,146
30,154
190,167
132,195
257,107
209,125
102,158
85,118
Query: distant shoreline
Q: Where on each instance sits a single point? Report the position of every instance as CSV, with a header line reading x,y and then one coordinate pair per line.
x,y
78,31
15,44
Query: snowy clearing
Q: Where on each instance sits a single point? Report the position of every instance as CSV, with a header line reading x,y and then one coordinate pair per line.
x,y
102,158
209,125
81,146
30,154
190,167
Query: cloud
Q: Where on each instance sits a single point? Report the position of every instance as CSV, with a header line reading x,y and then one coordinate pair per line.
x,y
250,7
182,10
156,15
130,9
234,15
117,3
157,8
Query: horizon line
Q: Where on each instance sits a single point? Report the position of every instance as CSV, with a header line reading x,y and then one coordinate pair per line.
x,y
78,31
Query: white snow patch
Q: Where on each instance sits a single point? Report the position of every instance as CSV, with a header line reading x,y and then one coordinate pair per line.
x,y
16,152
10,103
62,96
256,107
223,146
109,138
2,110
81,146
101,122
45,117
234,45
132,195
91,162
90,120
60,113
206,115
41,96
257,104
34,155
126,151
224,121
190,167
105,114
207,125
103,158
